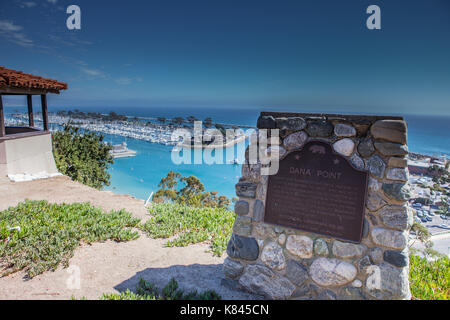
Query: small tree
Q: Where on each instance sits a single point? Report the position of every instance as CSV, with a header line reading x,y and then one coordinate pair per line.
x,y
167,191
189,191
207,122
444,207
192,192
84,157
421,234
191,119
221,128
178,120
211,199
162,119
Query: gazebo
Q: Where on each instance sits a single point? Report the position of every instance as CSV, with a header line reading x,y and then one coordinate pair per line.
x,y
26,149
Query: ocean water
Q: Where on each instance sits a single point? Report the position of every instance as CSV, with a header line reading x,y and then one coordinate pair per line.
x,y
140,175
429,134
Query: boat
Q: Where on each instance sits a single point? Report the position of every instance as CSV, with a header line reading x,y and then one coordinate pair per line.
x,y
122,151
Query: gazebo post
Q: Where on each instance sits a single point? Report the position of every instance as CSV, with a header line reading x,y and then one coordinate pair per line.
x,y
44,111
30,111
2,118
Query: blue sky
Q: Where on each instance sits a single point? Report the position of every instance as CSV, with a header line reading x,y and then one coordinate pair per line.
x,y
281,55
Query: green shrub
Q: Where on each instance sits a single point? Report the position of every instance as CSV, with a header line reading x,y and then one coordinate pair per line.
x,y
190,225
429,280
82,156
49,233
147,291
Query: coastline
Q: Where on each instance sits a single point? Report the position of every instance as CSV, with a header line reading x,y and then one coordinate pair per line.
x,y
425,131
141,174
146,131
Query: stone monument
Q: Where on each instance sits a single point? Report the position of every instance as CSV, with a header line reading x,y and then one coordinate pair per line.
x,y
333,221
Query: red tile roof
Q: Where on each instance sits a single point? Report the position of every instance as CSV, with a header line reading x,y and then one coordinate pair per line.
x,y
18,79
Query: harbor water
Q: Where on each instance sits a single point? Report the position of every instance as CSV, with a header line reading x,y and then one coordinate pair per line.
x,y
140,175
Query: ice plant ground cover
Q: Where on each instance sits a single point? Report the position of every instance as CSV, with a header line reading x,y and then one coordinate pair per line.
x,y
429,280
36,236
48,234
190,225
148,291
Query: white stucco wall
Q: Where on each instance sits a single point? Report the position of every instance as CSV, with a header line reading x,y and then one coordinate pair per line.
x,y
29,155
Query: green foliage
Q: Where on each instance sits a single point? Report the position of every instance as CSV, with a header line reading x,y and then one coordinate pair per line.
x,y
444,208
168,190
422,234
49,233
178,120
189,191
192,192
82,156
221,128
190,225
191,119
207,122
77,114
148,291
440,175
211,199
429,280
127,295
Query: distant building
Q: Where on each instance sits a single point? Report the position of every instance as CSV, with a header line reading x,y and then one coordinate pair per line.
x,y
424,167
419,167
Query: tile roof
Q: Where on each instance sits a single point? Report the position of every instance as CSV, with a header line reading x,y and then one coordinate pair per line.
x,y
17,79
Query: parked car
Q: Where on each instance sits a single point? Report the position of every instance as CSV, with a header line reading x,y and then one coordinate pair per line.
x,y
417,205
429,218
423,219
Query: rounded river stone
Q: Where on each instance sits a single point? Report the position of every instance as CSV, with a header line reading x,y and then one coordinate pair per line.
x,y
240,247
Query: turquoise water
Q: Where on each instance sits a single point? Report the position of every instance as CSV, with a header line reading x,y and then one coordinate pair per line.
x,y
139,176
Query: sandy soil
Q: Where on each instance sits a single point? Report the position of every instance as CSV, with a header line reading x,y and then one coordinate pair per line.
x,y
109,267
63,189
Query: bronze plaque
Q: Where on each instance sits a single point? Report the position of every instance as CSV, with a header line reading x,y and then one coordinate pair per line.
x,y
317,190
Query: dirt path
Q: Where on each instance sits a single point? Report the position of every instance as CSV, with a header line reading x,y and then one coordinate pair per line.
x,y
63,189
109,267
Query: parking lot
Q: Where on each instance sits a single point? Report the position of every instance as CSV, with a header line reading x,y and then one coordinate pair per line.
x,y
434,222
